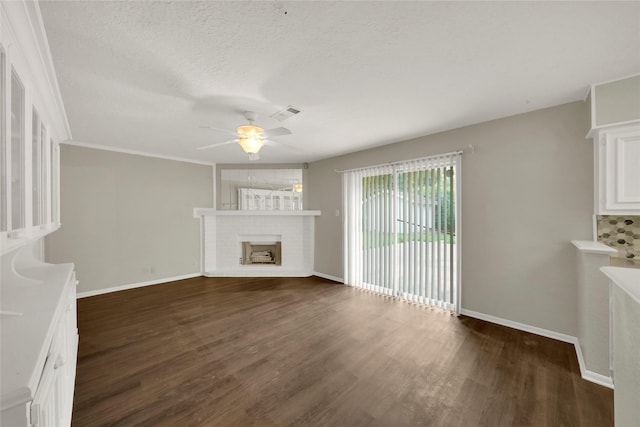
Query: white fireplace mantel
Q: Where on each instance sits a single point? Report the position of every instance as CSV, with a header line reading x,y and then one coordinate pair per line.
x,y
223,231
198,212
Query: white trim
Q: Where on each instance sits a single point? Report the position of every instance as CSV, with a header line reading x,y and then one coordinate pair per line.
x,y
329,277
136,285
197,212
586,374
591,376
592,107
597,379
258,271
402,162
617,79
594,132
593,247
620,147
586,95
520,326
458,177
44,53
135,152
201,222
214,169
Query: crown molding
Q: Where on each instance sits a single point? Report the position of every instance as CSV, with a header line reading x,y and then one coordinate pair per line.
x,y
135,152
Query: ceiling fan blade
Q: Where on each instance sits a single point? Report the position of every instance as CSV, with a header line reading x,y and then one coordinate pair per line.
x,y
227,131
269,133
217,144
271,142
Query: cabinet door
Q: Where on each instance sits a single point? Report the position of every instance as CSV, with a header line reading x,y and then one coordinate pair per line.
x,y
53,401
17,155
45,410
622,170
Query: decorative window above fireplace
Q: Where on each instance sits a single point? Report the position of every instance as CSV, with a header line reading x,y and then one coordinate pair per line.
x,y
259,189
252,199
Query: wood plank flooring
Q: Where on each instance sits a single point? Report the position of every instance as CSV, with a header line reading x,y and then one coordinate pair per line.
x,y
310,352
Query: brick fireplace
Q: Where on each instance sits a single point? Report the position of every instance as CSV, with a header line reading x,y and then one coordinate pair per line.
x,y
289,235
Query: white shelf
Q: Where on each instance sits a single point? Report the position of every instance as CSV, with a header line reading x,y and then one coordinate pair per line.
x,y
592,247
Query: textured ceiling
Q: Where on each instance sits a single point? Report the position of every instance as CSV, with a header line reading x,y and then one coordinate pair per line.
x,y
146,76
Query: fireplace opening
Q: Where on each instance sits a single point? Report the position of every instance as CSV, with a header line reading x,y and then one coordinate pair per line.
x,y
261,253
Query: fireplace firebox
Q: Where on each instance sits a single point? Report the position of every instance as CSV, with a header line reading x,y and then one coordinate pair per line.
x,y
262,253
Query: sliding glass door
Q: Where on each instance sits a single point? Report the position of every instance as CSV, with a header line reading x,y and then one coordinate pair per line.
x,y
401,229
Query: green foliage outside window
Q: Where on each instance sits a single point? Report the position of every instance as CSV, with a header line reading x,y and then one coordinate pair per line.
x,y
424,186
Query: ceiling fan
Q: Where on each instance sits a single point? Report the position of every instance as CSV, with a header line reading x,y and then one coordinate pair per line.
x,y
250,137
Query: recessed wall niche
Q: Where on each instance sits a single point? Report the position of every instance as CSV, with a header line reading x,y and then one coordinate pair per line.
x,y
232,181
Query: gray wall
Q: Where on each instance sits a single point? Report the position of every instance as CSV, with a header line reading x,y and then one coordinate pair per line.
x,y
128,219
618,101
526,192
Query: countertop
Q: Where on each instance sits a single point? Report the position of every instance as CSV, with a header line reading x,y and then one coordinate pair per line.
x,y
37,302
628,279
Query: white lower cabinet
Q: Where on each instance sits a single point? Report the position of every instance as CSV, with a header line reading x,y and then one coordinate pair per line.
x,y
53,400
39,343
625,320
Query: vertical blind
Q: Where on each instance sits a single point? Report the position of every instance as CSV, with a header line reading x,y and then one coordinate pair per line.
x,y
401,229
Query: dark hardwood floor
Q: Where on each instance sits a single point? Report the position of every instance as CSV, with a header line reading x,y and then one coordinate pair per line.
x,y
290,351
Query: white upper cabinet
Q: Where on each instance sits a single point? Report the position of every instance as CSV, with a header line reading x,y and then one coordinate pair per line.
x,y
615,118
32,124
618,160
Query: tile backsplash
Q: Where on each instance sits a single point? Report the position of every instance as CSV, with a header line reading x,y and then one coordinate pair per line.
x,y
621,232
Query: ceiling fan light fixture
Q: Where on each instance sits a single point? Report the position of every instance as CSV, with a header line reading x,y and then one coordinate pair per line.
x,y
250,138
249,130
252,144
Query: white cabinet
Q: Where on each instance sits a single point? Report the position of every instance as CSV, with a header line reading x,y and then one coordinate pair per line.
x,y
38,331
625,320
39,340
32,124
53,400
593,311
617,156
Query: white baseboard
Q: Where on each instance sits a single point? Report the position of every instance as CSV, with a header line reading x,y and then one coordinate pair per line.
x,y
136,285
588,375
252,271
597,378
328,277
521,326
585,373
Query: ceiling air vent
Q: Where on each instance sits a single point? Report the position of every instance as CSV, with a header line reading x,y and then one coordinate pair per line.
x,y
283,115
